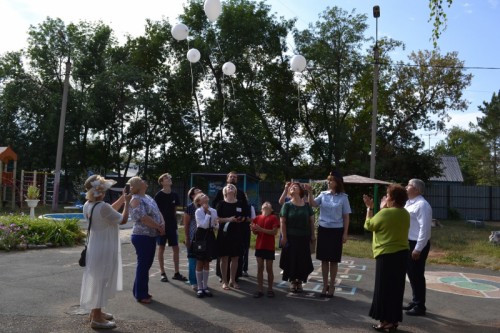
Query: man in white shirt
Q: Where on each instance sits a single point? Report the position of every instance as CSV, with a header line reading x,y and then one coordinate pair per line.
x,y
419,240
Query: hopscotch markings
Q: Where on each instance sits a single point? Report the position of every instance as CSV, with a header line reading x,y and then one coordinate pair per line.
x,y
314,285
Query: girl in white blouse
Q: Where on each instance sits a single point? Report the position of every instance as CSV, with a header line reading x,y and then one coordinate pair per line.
x,y
206,221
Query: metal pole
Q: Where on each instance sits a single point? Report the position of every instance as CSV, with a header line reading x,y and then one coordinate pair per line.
x,y
376,14
60,139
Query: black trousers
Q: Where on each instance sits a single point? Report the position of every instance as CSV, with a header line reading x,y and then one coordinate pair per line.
x,y
416,274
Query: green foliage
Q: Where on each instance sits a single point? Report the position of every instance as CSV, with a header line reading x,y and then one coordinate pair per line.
x,y
18,231
143,102
33,192
11,236
453,214
438,18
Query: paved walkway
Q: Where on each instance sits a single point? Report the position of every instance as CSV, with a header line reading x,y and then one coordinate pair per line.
x,y
39,292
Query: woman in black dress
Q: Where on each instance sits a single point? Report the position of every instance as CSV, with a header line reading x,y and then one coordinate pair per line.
x,y
231,213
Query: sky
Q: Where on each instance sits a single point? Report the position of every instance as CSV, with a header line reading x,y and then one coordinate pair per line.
x,y
472,31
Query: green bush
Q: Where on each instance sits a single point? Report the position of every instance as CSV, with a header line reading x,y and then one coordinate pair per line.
x,y
453,214
17,231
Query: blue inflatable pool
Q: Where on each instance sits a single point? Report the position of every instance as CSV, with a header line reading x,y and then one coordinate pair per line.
x,y
63,216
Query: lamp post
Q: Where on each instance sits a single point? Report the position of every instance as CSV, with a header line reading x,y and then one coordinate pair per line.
x,y
376,14
60,138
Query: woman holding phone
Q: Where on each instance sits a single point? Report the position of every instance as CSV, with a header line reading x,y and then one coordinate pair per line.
x,y
231,212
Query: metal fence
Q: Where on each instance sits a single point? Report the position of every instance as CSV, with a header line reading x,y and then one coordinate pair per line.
x,y
466,202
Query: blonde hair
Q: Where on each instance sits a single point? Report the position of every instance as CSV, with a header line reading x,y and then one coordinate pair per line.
x,y
224,190
134,184
198,198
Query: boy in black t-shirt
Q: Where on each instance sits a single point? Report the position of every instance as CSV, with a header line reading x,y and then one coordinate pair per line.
x,y
167,201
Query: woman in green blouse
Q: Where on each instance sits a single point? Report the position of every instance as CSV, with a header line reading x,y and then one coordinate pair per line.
x,y
297,227
390,248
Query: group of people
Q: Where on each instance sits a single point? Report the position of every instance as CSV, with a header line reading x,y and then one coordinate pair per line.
x,y
154,223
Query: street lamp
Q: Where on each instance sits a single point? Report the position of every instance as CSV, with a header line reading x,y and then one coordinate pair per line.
x,y
60,139
376,14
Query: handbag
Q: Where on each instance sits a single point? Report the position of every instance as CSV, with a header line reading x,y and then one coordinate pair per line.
x,y
199,246
83,256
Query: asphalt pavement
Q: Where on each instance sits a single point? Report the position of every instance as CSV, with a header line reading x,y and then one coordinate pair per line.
x,y
40,289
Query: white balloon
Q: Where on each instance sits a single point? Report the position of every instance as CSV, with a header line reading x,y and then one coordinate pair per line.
x,y
213,9
180,31
298,63
229,68
193,55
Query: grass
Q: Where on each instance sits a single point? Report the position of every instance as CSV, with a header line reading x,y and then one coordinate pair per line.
x,y
454,243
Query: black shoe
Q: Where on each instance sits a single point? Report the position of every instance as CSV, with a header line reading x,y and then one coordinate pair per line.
x,y
180,277
410,306
416,311
164,278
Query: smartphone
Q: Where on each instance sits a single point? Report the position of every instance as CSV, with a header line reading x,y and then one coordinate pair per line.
x,y
127,188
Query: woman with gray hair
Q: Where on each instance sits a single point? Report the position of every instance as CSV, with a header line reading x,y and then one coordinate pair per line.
x,y
148,223
103,270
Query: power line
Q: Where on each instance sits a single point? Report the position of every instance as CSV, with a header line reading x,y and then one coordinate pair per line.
x,y
437,66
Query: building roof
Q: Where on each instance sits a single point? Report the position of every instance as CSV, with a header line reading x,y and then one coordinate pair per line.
x,y
7,154
355,179
451,171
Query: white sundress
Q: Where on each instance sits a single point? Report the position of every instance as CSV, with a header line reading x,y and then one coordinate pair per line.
x,y
103,272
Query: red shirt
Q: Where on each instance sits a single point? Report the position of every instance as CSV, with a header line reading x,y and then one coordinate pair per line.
x,y
265,241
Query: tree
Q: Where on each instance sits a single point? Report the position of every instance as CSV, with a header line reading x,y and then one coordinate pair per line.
x,y
248,121
489,129
333,47
471,152
418,97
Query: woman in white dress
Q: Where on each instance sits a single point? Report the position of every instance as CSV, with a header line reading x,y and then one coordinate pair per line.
x,y
103,271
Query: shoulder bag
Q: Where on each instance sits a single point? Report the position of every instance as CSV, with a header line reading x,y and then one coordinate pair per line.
x,y
83,255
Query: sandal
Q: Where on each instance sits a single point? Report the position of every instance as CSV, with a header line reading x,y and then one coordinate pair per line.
x,y
388,327
270,293
258,294
234,285
144,301
225,287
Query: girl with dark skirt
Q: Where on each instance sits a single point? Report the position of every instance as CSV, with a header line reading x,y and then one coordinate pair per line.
x,y
390,248
206,221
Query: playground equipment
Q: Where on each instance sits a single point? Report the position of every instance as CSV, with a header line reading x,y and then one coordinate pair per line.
x,y
8,166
